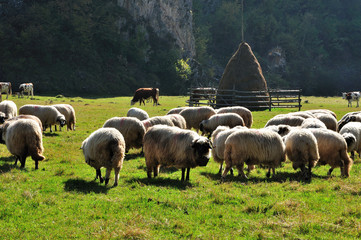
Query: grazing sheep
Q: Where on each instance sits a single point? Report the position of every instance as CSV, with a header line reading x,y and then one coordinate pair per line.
x,y
301,114
351,132
9,108
131,128
48,115
245,113
281,129
176,110
302,150
348,117
325,111
174,147
178,120
253,147
195,115
69,113
328,120
137,113
163,120
23,138
333,150
105,147
32,117
286,120
225,119
313,123
218,140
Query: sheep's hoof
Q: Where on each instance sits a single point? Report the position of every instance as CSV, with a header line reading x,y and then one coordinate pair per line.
x,y
268,175
101,179
115,184
106,181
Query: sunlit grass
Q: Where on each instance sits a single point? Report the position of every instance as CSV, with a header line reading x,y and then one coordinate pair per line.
x,y
61,200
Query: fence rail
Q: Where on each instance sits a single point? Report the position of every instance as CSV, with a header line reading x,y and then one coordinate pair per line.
x,y
256,100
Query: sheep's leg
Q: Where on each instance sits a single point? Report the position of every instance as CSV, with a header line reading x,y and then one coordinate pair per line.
x,y
116,176
269,172
226,170
156,171
231,172
36,164
183,171
107,176
16,161
56,128
98,174
50,128
187,177
220,169
330,171
22,161
353,155
240,171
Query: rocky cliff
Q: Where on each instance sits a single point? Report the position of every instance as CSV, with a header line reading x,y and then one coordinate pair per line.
x,y
165,18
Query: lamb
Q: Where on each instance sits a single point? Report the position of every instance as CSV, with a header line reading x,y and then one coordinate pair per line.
x,y
174,147
313,123
69,113
218,140
285,119
333,150
48,115
164,120
351,132
137,113
176,110
23,138
225,119
131,128
253,147
245,113
302,150
195,115
9,108
178,120
105,147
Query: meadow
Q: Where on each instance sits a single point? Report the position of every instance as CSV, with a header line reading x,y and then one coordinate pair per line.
x,y
61,200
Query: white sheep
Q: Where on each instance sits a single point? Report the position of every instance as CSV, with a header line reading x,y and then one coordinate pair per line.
x,y
281,129
348,117
195,115
351,132
157,120
131,128
332,148
286,120
178,120
325,111
105,147
176,110
225,119
302,150
245,113
23,138
253,147
329,120
69,113
9,108
137,113
48,115
313,123
174,147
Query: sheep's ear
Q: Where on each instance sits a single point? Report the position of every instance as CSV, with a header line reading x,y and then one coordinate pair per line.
x,y
194,143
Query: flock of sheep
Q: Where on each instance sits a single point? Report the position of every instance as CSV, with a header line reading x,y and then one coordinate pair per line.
x,y
307,138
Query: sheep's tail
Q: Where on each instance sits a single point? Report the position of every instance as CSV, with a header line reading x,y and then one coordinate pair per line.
x,y
36,149
347,163
314,155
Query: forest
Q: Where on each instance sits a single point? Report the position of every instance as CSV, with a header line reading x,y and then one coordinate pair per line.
x,y
74,47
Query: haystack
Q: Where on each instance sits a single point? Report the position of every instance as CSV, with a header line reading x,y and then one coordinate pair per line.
x,y
242,73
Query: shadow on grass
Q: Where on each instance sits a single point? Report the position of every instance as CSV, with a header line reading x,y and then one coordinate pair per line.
x,y
133,156
82,186
50,134
162,182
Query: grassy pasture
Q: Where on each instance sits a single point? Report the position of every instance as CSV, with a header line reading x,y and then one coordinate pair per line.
x,y
61,200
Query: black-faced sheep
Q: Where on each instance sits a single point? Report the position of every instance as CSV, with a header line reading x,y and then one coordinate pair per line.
x,y
23,138
253,147
158,120
333,150
195,115
137,113
9,108
286,120
105,147
351,132
174,147
69,113
48,115
302,150
131,128
245,113
225,119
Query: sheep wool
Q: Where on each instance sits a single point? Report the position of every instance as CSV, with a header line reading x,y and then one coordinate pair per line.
x,y
9,108
225,119
245,113
105,147
351,132
137,113
158,120
195,115
69,113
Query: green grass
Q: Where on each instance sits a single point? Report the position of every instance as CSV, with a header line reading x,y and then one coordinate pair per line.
x,y
61,200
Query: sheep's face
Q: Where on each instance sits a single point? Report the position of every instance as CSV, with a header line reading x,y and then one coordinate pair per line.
x,y
2,141
201,147
61,121
350,140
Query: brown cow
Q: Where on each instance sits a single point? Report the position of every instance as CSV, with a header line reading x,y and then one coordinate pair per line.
x,y
144,93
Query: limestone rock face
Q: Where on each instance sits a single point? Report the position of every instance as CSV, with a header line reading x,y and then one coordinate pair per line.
x,y
243,72
166,18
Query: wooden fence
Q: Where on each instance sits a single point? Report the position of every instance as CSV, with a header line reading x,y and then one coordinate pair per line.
x,y
256,100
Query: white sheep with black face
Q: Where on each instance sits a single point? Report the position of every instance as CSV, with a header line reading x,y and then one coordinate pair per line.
x,y
69,113
105,147
174,147
351,132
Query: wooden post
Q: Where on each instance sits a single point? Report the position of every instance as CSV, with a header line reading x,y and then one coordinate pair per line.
x,y
299,100
270,99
